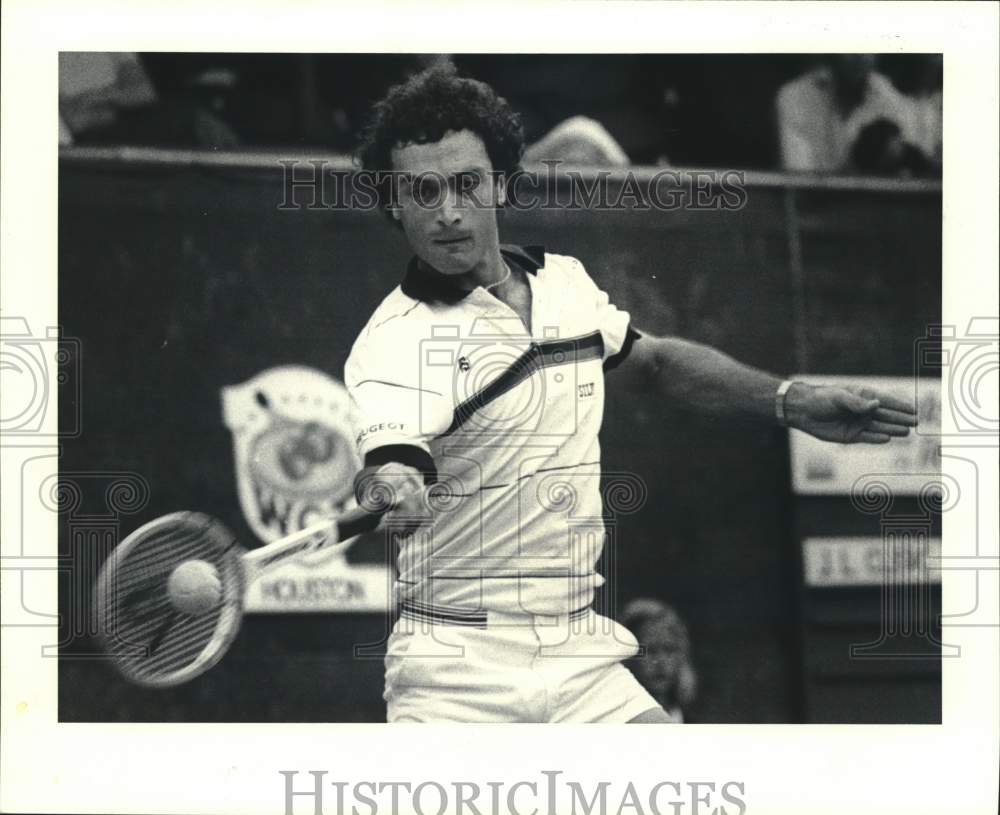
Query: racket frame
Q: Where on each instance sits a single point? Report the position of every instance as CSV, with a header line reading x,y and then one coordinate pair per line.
x,y
326,534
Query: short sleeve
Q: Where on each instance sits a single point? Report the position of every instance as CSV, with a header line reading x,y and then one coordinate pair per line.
x,y
611,321
793,130
395,404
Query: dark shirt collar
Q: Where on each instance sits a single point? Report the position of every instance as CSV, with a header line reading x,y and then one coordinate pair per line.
x,y
427,285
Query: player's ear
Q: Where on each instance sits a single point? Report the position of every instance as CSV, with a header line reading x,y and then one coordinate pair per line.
x,y
393,196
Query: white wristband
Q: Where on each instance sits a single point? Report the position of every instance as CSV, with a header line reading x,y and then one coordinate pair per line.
x,y
779,402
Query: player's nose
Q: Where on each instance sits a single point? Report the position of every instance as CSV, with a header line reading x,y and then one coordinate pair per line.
x,y
449,213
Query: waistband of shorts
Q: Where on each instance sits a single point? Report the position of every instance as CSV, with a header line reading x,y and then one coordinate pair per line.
x,y
449,615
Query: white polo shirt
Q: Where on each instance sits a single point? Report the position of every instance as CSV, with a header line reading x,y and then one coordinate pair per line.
x,y
510,422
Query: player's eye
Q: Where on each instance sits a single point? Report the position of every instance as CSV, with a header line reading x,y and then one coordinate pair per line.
x,y
426,191
467,182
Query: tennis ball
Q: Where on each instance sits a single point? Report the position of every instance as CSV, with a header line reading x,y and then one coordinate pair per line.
x,y
194,587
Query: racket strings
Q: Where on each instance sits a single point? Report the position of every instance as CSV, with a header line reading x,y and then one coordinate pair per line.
x,y
183,641
139,591
162,553
150,640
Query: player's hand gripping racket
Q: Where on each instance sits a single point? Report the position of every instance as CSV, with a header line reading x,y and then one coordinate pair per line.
x,y
169,599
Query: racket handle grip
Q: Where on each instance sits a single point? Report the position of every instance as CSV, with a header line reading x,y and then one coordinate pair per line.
x,y
359,520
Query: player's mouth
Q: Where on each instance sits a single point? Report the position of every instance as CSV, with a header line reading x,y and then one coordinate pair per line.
x,y
454,242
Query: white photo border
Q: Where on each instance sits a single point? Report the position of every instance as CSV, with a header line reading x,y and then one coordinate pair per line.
x,y
201,768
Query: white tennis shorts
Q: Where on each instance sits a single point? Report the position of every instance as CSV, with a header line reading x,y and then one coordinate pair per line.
x,y
446,665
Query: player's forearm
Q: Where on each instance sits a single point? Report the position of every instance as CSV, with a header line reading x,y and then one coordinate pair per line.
x,y
700,378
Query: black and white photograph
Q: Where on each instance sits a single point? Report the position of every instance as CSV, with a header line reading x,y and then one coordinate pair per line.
x,y
502,262
505,385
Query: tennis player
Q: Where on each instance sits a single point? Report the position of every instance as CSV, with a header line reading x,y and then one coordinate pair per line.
x,y
483,375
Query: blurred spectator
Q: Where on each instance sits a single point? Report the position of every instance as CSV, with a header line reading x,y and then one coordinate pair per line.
x,y
622,94
607,110
717,108
665,669
578,140
95,87
822,114
925,93
880,149
109,98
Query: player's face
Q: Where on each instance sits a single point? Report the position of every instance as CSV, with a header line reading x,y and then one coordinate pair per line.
x,y
447,202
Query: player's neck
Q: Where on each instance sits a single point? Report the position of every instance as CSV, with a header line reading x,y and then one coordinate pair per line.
x,y
488,272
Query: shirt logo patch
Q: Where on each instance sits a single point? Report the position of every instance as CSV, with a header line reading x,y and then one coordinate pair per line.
x,y
379,428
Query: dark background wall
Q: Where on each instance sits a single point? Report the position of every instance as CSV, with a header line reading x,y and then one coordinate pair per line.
x,y
179,279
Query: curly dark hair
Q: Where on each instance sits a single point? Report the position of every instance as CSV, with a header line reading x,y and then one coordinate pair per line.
x,y
428,105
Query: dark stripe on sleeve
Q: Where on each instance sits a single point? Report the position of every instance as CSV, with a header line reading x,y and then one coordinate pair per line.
x,y
631,335
408,454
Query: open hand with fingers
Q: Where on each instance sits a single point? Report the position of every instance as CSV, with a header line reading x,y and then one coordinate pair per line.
x,y
848,415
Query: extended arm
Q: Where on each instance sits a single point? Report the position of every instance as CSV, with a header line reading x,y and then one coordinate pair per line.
x,y
705,380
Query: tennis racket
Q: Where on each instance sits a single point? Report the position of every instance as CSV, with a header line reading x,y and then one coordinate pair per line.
x,y
148,638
